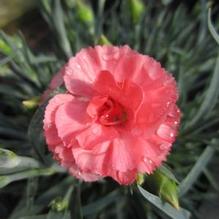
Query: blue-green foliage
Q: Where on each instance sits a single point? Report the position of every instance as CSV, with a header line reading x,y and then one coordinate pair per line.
x,y
185,41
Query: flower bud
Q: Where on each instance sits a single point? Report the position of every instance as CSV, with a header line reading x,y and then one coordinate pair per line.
x,y
103,40
140,178
8,159
4,180
84,12
137,8
59,204
31,103
4,48
164,186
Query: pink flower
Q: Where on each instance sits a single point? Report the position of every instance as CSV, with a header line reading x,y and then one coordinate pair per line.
x,y
118,117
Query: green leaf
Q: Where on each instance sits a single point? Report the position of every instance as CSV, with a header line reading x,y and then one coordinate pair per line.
x,y
4,48
34,217
166,2
57,215
58,22
97,206
197,169
54,191
50,215
210,99
35,132
164,207
211,27
76,208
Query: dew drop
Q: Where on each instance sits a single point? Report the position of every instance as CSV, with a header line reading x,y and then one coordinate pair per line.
x,y
165,132
171,135
165,146
96,130
78,66
147,161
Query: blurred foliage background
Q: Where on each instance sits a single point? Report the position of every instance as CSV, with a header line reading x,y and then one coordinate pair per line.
x,y
182,35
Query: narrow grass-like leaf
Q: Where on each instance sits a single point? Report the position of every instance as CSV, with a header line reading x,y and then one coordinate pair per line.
x,y
35,132
59,215
34,217
211,27
76,208
210,99
164,207
197,169
96,206
5,180
58,21
211,179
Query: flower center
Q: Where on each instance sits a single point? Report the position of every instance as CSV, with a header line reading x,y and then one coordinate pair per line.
x,y
107,111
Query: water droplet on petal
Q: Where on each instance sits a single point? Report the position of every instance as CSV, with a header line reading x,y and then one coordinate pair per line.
x,y
171,135
147,161
96,130
165,146
166,132
77,66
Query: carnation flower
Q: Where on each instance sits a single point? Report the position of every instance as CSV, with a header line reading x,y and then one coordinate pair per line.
x,y
118,117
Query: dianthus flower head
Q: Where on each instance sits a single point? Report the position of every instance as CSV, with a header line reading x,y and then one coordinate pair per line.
x,y
118,117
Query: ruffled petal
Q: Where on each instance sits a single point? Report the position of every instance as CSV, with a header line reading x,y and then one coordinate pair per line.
x,y
49,126
93,160
94,135
82,70
120,156
121,91
70,119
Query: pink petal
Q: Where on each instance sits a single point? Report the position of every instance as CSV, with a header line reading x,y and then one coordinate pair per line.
x,y
82,70
94,135
49,126
93,160
70,119
120,156
121,91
